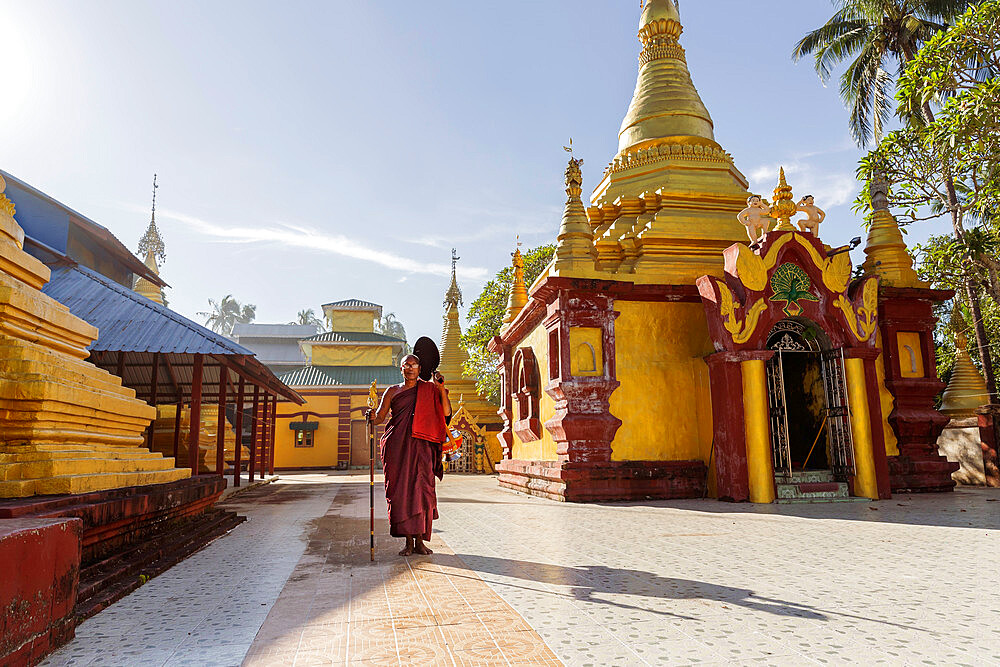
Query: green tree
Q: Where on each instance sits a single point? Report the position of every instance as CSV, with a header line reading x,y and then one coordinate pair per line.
x,y
486,317
877,36
308,316
226,313
950,163
388,325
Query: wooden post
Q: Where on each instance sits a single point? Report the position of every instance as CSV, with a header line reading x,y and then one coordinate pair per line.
x,y
274,424
153,387
177,429
263,435
220,436
239,435
193,445
254,430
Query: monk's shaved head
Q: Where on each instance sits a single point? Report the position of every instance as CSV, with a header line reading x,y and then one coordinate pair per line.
x,y
408,357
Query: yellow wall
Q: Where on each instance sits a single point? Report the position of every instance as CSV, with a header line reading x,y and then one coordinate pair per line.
x,y
545,448
886,401
586,351
908,343
324,450
664,400
351,320
347,355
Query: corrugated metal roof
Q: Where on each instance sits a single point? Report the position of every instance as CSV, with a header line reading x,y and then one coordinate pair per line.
x,y
353,337
102,234
128,321
296,331
353,304
356,376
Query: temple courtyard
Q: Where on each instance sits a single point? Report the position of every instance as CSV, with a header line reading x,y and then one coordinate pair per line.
x,y
518,580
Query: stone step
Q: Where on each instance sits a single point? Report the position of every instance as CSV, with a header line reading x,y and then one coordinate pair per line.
x,y
81,466
800,476
27,457
74,484
810,486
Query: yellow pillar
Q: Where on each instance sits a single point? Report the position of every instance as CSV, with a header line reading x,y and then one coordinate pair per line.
x,y
861,425
755,416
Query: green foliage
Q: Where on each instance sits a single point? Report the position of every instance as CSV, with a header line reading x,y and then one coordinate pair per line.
x,y
486,316
388,325
226,313
878,37
948,163
940,262
308,316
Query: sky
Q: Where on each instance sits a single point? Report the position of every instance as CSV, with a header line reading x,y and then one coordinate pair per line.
x,y
309,152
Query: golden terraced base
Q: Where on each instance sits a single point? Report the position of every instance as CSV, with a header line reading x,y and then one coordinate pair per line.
x,y
66,426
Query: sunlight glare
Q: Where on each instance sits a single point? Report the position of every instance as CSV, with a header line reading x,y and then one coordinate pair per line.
x,y
16,70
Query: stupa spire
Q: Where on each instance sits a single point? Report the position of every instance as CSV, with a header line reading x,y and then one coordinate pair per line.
x,y
885,250
151,245
575,243
453,297
518,291
665,102
453,355
966,390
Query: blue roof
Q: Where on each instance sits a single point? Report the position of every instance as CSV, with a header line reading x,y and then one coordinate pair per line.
x,y
128,321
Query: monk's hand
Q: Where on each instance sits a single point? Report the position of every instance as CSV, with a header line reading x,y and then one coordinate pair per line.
x,y
370,415
438,378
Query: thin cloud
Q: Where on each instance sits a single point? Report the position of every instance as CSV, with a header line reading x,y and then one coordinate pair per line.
x,y
830,188
293,236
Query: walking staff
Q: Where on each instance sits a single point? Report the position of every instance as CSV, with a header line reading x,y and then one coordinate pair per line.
x,y
372,404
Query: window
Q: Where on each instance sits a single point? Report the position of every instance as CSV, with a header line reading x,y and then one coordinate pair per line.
x,y
527,422
304,438
304,433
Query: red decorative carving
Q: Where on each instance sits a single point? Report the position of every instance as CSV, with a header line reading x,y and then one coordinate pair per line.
x,y
603,481
526,392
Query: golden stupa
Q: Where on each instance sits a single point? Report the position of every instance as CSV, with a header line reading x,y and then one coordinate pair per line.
x,y
66,426
966,390
461,387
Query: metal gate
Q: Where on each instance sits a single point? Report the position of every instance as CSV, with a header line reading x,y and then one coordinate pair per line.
x,y
838,414
778,415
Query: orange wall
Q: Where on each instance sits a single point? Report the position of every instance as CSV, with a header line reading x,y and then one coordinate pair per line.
x,y
323,453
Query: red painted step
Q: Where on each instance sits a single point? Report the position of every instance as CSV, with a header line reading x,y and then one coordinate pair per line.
x,y
817,487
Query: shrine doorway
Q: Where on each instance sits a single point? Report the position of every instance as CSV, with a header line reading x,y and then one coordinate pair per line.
x,y
807,399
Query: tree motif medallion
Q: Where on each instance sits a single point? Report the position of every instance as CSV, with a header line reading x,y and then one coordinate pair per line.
x,y
790,283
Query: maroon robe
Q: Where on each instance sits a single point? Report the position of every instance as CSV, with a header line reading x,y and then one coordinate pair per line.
x,y
410,465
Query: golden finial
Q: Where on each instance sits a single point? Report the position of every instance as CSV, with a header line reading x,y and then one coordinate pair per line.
x,y
6,205
372,396
453,297
957,326
784,205
151,241
518,291
966,389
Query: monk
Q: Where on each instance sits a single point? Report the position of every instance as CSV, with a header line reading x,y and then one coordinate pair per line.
x,y
411,452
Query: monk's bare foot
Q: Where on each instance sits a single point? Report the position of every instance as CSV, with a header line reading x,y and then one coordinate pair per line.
x,y
407,551
422,549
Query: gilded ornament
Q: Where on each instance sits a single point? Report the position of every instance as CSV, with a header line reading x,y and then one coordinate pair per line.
x,y
784,207
862,323
740,331
836,270
751,269
790,283
6,205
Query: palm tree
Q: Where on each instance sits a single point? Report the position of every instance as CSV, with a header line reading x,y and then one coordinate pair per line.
x,y
227,312
308,316
880,35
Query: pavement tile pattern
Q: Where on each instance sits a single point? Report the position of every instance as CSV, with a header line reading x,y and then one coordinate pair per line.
x,y
517,580
338,607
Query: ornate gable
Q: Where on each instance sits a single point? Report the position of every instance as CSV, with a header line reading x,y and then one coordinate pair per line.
x,y
790,275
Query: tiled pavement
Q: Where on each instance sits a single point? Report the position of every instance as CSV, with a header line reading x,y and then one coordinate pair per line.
x,y
913,580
